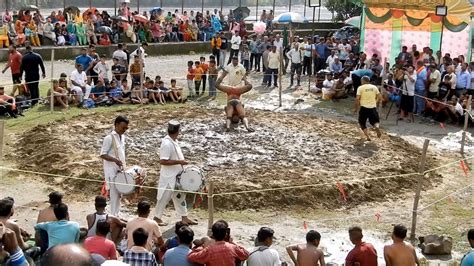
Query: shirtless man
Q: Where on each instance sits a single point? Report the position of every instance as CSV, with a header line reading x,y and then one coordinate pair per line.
x,y
60,95
47,214
234,110
116,225
307,254
400,253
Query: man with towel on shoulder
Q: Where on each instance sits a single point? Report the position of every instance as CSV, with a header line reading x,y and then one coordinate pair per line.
x,y
172,163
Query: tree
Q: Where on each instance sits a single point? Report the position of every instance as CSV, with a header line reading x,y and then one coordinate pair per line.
x,y
344,9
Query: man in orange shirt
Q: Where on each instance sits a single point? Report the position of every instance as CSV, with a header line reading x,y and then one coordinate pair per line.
x,y
7,104
205,68
216,43
14,63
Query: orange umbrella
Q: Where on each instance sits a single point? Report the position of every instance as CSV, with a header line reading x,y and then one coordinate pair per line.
x,y
89,10
141,18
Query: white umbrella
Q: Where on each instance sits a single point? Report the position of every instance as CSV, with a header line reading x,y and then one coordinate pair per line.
x,y
290,17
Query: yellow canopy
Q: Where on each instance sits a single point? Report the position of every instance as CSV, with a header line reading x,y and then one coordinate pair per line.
x,y
461,9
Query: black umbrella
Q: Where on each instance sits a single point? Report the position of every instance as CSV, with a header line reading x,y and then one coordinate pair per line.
x,y
29,8
241,12
119,18
104,29
72,10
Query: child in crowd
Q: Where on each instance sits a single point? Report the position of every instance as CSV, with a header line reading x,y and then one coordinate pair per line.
x,y
138,96
190,78
246,57
198,77
176,92
212,79
102,69
307,254
163,92
135,69
115,93
204,66
118,70
59,95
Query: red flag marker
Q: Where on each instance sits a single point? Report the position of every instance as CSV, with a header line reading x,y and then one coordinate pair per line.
x,y
341,190
464,167
103,191
305,225
198,202
442,126
377,217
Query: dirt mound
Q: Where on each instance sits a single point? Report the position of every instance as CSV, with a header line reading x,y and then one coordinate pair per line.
x,y
285,150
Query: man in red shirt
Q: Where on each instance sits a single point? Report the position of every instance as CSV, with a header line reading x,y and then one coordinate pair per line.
x,y
99,244
14,62
363,254
221,252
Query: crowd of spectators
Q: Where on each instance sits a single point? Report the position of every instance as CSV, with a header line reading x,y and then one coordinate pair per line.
x,y
109,240
73,27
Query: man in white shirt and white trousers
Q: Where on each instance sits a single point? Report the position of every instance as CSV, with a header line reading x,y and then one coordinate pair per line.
x,y
113,155
172,163
79,83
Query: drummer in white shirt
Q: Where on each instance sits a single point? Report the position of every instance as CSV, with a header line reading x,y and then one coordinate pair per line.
x,y
113,155
172,163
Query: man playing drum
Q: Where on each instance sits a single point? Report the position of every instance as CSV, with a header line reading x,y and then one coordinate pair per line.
x,y
235,109
113,155
172,162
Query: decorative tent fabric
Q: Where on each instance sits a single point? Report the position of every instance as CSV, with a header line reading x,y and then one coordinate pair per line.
x,y
388,25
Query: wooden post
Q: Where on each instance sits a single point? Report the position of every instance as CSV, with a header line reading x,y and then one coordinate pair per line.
x,y
142,59
222,5
466,121
256,12
52,86
182,6
280,75
202,6
2,134
418,189
210,208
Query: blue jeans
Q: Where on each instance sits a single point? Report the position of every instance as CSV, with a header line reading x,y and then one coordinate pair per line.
x,y
419,102
212,87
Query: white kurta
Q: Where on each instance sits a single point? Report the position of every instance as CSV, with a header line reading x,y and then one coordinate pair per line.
x,y
111,169
169,150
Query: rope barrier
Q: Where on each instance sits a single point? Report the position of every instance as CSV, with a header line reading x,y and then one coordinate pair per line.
x,y
246,191
445,197
98,181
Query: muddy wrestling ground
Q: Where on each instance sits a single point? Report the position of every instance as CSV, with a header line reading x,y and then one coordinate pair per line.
x,y
285,150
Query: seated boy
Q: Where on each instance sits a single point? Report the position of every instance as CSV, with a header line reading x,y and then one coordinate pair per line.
x,y
176,92
60,95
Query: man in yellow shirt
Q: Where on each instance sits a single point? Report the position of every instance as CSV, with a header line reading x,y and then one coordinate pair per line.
x,y
368,97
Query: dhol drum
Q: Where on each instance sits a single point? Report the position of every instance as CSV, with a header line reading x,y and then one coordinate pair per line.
x,y
190,179
126,181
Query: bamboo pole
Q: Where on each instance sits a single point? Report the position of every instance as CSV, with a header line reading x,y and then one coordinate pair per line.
x,y
466,121
52,86
418,190
210,208
280,76
2,136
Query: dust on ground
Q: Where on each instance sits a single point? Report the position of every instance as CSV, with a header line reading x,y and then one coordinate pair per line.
x,y
285,150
